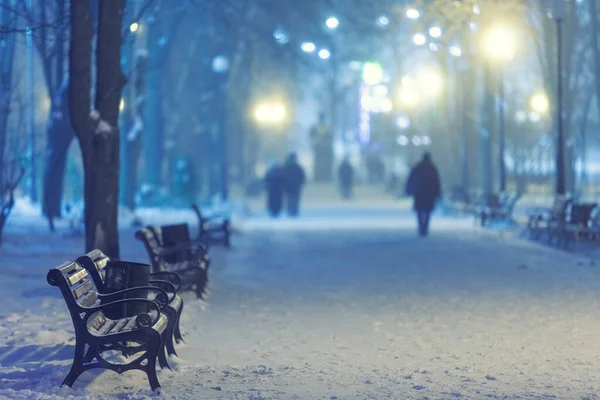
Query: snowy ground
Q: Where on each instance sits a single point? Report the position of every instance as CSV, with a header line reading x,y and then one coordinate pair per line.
x,y
344,303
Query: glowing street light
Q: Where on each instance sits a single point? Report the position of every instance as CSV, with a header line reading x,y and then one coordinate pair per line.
x,y
270,113
435,31
383,21
134,27
413,13
372,73
539,103
324,54
500,43
308,47
332,23
455,51
431,81
419,39
408,97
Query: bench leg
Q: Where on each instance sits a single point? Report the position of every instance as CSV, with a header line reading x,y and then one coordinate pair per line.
x,y
76,368
150,368
162,359
169,332
177,332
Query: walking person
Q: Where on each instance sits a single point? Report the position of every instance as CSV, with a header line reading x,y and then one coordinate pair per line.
x,y
424,186
294,178
274,182
346,178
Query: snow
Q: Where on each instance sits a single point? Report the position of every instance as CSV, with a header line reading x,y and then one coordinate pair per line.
x,y
345,302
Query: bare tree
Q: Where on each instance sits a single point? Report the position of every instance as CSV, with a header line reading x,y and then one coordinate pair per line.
x,y
98,131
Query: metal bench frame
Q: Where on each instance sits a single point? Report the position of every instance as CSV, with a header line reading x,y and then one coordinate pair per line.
x,y
145,335
95,263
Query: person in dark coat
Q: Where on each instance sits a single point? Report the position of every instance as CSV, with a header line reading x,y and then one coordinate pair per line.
x,y
424,186
274,182
294,179
346,177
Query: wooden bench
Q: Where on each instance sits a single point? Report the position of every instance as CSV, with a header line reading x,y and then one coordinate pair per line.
x,y
96,262
540,220
97,336
191,263
213,229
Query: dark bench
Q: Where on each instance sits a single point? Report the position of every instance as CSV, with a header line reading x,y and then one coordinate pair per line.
x,y
498,208
577,226
96,262
541,219
188,260
96,334
213,229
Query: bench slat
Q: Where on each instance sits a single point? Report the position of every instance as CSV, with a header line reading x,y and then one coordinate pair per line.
x,y
107,326
77,276
116,328
89,299
82,289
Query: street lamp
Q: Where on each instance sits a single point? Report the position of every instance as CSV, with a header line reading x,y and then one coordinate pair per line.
x,y
500,45
134,27
332,23
220,66
308,47
324,54
413,13
270,113
419,39
558,12
539,103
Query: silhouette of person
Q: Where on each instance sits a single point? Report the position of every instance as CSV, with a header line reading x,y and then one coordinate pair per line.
x,y
346,178
274,183
424,186
294,179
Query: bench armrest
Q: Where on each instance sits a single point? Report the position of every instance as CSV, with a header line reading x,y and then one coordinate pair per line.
x,y
191,246
167,286
171,277
162,298
145,321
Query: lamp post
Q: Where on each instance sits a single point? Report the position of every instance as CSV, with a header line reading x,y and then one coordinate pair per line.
x,y
220,65
558,12
500,45
31,111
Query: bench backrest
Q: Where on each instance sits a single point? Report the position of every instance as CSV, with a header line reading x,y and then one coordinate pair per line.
x,y
152,244
560,206
172,235
581,214
76,287
512,201
95,262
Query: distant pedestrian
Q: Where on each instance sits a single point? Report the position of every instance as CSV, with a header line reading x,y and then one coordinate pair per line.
x,y
424,186
294,178
274,184
346,178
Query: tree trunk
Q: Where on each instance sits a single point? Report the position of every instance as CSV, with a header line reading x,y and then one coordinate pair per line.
x,y
99,145
59,132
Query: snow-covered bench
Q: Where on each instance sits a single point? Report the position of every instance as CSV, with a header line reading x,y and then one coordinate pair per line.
x,y
98,337
95,262
189,260
213,229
